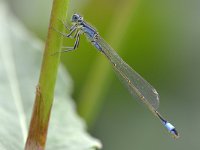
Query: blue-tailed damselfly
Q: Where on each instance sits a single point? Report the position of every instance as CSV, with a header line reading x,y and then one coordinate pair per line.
x,y
132,80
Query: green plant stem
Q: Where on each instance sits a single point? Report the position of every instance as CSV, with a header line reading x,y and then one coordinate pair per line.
x,y
90,99
45,90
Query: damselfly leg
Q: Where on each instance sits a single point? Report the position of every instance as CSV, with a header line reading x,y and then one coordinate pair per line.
x,y
72,29
76,44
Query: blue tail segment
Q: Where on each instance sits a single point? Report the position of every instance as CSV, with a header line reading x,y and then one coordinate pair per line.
x,y
168,126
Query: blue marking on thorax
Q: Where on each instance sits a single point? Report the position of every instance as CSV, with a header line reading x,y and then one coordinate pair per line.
x,y
90,33
88,30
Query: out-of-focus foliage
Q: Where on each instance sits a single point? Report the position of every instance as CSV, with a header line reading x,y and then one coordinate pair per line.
x,y
161,42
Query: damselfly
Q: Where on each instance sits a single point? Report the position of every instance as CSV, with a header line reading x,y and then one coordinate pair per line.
x,y
136,85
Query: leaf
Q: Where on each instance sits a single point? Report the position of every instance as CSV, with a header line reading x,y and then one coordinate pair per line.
x,y
20,60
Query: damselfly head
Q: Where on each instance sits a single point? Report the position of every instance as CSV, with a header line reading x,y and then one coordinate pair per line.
x,y
76,18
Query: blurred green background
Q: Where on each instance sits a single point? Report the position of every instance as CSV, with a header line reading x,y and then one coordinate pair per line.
x,y
160,40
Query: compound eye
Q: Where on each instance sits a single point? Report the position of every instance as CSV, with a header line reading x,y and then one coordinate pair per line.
x,y
75,17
